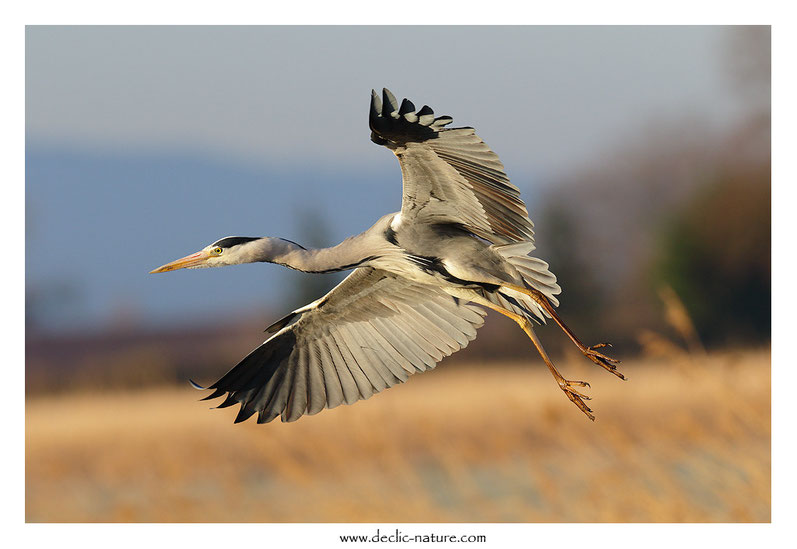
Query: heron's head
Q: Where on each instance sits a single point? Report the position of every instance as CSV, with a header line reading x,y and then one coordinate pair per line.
x,y
230,250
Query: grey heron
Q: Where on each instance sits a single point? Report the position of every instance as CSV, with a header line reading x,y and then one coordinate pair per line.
x,y
421,277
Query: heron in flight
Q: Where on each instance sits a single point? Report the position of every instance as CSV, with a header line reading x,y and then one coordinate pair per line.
x,y
420,280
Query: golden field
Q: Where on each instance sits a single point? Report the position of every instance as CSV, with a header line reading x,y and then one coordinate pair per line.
x,y
684,440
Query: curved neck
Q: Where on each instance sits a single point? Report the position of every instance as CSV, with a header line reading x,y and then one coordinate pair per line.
x,y
349,254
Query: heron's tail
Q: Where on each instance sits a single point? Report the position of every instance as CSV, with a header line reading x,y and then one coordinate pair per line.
x,y
535,275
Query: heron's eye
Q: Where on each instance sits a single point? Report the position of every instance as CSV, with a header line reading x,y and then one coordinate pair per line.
x,y
217,251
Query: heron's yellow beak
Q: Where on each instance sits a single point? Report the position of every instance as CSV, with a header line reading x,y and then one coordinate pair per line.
x,y
193,260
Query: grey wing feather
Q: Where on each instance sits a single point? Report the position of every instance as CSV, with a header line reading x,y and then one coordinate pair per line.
x,y
369,333
449,175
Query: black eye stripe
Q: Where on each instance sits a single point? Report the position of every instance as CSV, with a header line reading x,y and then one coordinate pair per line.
x,y
231,241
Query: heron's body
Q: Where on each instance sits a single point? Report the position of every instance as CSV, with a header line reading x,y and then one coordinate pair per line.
x,y
441,255
462,238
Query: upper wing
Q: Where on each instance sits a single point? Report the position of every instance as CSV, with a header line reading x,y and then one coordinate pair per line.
x,y
370,332
450,175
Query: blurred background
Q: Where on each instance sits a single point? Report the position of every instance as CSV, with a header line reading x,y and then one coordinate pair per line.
x,y
643,155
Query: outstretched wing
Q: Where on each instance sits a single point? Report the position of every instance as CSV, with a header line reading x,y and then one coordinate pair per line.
x,y
370,332
450,175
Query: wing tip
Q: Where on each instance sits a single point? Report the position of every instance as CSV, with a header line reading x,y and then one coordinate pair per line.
x,y
196,385
243,414
401,123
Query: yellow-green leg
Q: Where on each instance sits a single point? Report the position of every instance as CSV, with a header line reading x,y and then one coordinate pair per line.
x,y
565,384
606,362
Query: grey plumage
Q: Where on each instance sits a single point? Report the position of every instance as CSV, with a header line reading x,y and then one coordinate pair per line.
x,y
462,239
352,346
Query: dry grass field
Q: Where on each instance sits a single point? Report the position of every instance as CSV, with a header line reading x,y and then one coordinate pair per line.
x,y
687,439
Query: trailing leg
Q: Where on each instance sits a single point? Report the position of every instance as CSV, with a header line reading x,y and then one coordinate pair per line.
x,y
566,385
606,362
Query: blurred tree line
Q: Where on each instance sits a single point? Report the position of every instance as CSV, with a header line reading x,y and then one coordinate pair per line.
x,y
684,211
715,254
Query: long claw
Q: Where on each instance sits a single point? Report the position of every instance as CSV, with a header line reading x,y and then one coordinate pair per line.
x,y
606,362
581,406
572,391
577,397
591,351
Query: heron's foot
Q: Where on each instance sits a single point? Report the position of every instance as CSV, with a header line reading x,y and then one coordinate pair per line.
x,y
575,396
606,362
